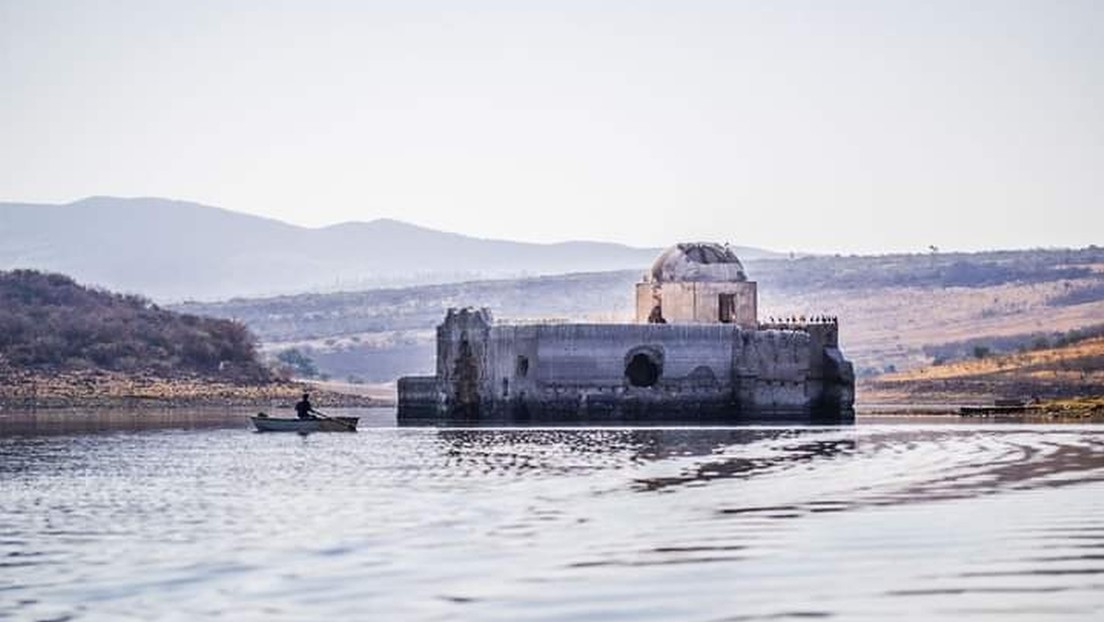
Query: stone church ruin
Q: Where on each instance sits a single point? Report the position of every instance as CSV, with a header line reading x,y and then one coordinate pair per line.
x,y
696,353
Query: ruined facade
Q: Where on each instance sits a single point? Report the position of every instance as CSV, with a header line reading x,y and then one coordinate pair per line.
x,y
696,353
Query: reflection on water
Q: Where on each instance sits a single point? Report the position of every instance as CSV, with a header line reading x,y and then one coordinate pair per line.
x,y
194,521
55,422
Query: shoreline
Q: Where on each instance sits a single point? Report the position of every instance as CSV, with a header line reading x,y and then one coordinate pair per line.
x,y
935,412
27,391
1088,409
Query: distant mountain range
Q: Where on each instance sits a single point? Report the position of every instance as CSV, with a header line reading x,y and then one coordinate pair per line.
x,y
174,250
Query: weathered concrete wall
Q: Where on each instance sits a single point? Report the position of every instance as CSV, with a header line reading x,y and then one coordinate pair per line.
x,y
831,380
647,299
771,368
707,302
581,370
595,354
696,302
513,362
421,397
462,359
603,372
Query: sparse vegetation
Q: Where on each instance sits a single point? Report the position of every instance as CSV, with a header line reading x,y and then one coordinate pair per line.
x,y
1007,344
1087,292
974,270
1073,370
897,312
50,323
298,364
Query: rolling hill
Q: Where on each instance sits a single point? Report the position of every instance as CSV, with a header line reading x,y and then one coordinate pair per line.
x,y
50,323
1071,369
64,345
897,312
175,250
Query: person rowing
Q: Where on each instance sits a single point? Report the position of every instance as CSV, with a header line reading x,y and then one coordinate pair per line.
x,y
304,409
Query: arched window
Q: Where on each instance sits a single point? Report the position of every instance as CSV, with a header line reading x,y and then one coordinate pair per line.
x,y
643,369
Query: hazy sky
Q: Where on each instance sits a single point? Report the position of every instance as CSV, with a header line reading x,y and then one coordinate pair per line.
x,y
829,126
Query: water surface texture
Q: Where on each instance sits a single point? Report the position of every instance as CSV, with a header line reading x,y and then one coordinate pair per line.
x,y
906,520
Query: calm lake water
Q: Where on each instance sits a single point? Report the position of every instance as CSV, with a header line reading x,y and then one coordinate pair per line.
x,y
190,517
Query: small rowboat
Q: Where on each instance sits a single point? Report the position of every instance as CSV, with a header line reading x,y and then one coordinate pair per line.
x,y
265,423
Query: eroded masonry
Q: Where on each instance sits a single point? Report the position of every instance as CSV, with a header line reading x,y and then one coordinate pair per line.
x,y
697,352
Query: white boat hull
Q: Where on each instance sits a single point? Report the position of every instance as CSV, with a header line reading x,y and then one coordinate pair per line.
x,y
305,426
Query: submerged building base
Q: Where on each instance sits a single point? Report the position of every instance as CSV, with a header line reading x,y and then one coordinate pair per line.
x,y
662,374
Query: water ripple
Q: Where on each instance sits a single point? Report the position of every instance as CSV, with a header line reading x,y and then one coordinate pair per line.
x,y
752,523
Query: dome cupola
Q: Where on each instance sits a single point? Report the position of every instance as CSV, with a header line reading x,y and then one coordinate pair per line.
x,y
698,262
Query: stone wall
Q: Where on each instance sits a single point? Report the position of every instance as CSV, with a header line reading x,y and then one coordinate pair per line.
x,y
607,372
697,302
462,342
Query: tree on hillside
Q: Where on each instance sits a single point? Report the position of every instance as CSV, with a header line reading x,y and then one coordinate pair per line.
x,y
298,363
48,321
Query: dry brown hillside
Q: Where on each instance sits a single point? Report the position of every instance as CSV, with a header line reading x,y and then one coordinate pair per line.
x,y
1075,370
894,328
896,312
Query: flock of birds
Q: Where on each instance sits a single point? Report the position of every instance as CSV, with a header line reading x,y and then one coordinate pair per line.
x,y
801,319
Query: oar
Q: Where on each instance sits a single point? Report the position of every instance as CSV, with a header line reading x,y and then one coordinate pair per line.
x,y
334,419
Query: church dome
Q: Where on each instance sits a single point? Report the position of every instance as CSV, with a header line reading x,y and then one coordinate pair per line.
x,y
698,261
